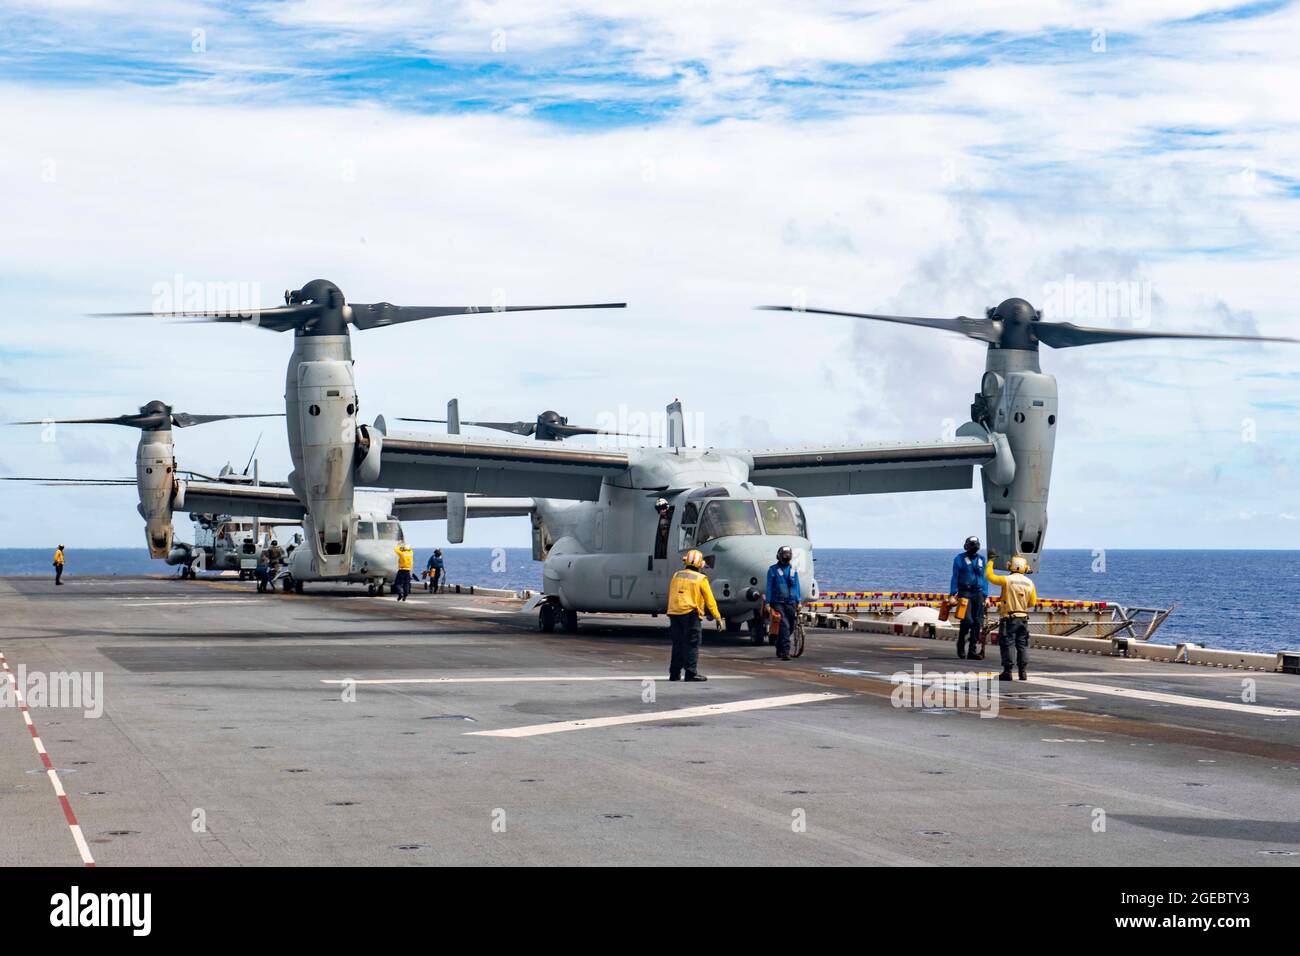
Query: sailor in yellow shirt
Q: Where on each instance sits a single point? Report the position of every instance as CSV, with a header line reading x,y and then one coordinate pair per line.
x,y
58,565
689,600
1017,599
405,557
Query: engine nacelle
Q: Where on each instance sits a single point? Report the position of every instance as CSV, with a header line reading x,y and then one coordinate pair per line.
x,y
1021,408
155,477
326,409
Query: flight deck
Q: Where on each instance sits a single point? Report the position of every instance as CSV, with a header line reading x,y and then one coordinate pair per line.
x,y
335,729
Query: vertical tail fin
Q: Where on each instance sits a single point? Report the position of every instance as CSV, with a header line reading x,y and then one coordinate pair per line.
x,y
455,499
676,425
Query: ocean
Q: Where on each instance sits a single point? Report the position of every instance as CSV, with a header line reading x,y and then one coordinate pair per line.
x,y
1243,600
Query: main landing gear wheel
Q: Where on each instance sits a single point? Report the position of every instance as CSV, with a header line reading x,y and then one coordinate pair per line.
x,y
297,587
370,589
732,626
546,618
569,621
756,631
797,640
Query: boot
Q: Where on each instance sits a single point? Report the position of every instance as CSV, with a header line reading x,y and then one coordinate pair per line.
x,y
1005,675
1023,674
694,678
674,676
961,652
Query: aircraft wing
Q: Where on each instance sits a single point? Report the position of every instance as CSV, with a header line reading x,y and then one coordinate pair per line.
x,y
252,501
422,507
876,468
485,467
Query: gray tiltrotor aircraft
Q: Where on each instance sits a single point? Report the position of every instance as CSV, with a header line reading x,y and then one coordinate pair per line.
x,y
1015,409
330,450
155,463
606,547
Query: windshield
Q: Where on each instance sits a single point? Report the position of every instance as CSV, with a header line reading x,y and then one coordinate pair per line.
x,y
783,517
720,519
390,531
365,530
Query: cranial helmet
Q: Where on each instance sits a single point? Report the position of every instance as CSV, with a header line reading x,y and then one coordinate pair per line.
x,y
661,504
784,553
1018,565
693,559
972,545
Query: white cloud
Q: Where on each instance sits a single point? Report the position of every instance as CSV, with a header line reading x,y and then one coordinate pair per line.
x,y
991,182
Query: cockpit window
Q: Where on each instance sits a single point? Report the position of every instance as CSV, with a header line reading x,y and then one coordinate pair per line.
x,y
783,517
719,519
390,531
365,530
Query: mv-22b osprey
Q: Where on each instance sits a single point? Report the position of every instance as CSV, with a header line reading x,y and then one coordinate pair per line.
x,y
606,549
329,449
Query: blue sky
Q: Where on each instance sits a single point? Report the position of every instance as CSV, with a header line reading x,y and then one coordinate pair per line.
x,y
695,159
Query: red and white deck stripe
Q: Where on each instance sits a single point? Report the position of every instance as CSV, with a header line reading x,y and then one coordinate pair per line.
x,y
82,847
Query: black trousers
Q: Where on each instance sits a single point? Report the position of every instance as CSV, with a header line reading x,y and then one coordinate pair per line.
x,y
973,622
435,575
402,584
686,630
1013,635
58,574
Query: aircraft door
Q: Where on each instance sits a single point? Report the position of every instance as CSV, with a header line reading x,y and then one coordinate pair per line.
x,y
662,532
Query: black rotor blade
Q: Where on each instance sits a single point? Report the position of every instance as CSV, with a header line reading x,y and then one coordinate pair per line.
x,y
185,419
1064,335
570,430
516,428
133,421
375,314
982,329
75,482
254,452
529,428
279,318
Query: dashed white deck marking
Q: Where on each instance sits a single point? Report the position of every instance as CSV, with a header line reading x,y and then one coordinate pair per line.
x,y
1157,697
707,710
478,610
509,680
51,773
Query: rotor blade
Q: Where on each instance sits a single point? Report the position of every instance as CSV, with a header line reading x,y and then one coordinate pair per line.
x,y
570,430
527,428
1064,335
376,314
72,482
515,428
250,457
982,329
134,421
185,419
279,318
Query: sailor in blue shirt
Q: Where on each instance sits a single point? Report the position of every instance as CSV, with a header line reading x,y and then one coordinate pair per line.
x,y
783,596
968,581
